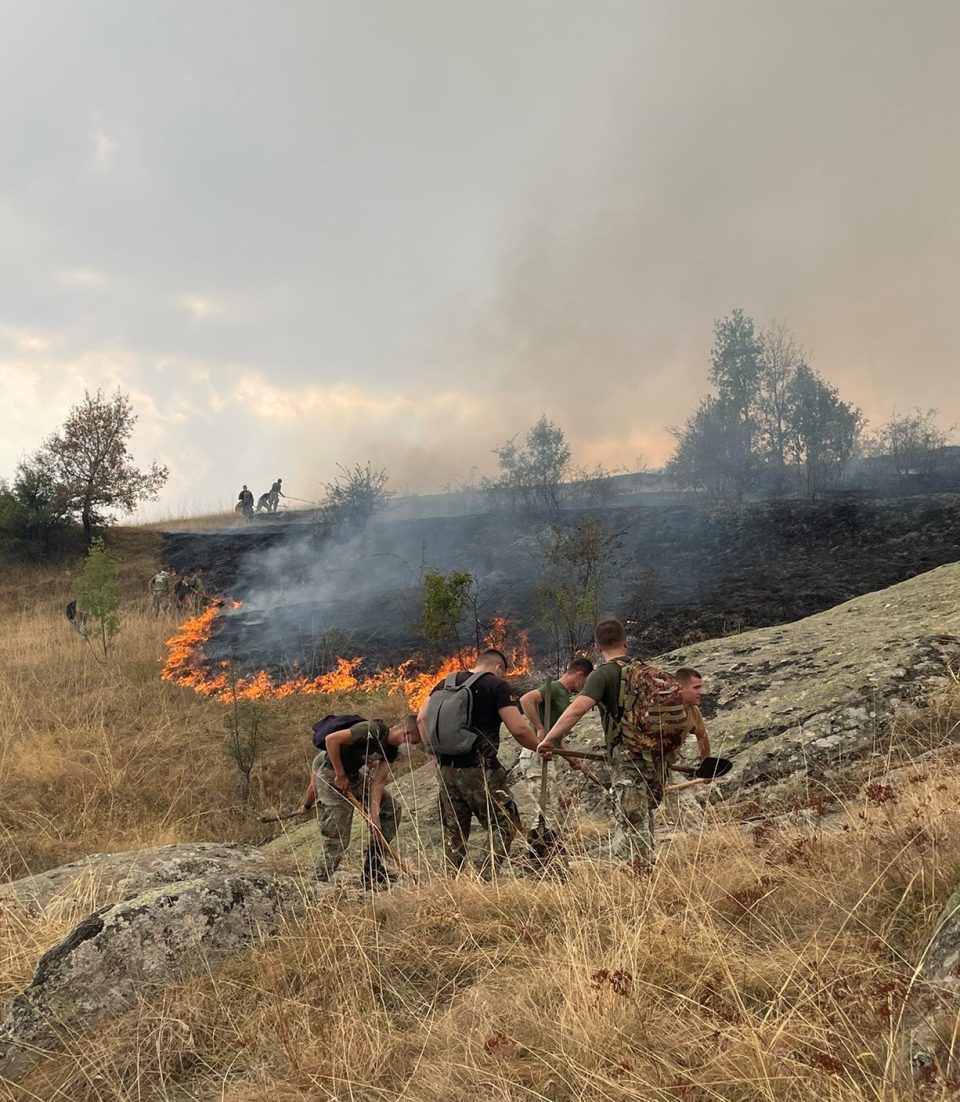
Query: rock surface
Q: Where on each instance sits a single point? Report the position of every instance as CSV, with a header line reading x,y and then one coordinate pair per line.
x,y
935,1007
104,878
805,697
123,950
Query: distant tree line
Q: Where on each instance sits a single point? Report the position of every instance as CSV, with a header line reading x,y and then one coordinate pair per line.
x,y
775,427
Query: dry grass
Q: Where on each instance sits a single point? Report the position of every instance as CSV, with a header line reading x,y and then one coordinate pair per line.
x,y
766,963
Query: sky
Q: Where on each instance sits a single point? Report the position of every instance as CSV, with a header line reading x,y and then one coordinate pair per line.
x,y
312,233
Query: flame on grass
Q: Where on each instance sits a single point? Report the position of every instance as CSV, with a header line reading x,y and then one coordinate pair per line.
x,y
187,665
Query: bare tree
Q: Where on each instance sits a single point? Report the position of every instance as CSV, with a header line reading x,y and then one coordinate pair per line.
x,y
89,460
913,441
780,358
356,494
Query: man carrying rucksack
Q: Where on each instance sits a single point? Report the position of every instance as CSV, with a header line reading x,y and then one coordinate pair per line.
x,y
460,725
356,761
644,723
160,591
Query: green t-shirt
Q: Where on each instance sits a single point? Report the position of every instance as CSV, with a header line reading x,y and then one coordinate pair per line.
x,y
559,699
603,686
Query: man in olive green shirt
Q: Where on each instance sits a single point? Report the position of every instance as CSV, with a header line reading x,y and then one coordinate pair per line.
x,y
691,690
636,780
533,706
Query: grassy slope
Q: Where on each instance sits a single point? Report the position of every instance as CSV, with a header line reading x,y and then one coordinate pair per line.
x,y
770,963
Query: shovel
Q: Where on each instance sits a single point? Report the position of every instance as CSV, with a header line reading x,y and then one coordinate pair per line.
x,y
545,844
705,772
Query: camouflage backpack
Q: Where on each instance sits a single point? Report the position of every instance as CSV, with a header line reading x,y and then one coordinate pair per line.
x,y
651,714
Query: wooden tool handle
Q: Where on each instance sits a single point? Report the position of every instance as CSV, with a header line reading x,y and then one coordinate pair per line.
x,y
587,755
680,786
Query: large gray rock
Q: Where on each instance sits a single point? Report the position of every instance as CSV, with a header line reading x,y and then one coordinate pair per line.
x,y
124,950
806,697
935,1001
108,877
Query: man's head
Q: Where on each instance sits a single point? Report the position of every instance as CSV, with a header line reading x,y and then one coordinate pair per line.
x,y
691,685
610,635
405,732
492,661
244,485
576,673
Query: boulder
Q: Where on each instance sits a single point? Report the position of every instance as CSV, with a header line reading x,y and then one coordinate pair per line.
x,y
806,697
127,949
104,878
936,999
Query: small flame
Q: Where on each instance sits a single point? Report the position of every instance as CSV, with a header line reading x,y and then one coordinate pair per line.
x,y
186,665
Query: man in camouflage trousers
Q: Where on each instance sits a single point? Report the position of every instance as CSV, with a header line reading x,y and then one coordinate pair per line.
x,y
637,780
473,785
355,762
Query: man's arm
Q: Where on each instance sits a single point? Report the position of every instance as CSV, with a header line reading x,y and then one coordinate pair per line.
x,y
422,721
511,719
378,783
334,743
574,712
528,705
703,740
310,796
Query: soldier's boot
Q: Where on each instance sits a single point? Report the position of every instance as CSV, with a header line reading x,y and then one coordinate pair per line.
x,y
374,876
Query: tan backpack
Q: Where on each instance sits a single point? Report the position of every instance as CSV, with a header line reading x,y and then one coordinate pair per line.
x,y
651,714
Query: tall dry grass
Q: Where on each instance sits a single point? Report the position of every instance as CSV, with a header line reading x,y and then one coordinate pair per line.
x,y
770,964
100,756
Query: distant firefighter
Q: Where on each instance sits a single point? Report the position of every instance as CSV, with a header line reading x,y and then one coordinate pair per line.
x,y
275,494
245,502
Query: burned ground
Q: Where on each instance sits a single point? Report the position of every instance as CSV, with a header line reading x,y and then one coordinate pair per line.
x,y
688,572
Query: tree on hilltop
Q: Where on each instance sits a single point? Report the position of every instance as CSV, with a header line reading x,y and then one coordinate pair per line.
x,y
356,494
532,474
774,423
913,441
90,462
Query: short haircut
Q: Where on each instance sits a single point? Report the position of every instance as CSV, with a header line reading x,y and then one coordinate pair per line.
x,y
492,652
686,674
609,633
580,665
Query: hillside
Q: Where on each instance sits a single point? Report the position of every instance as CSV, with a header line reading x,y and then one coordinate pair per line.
x,y
679,573
787,948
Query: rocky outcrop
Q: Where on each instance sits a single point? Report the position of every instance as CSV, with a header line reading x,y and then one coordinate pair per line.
x,y
937,999
104,878
124,950
806,697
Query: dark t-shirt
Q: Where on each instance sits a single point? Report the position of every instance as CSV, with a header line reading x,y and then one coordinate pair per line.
x,y
490,694
368,745
603,686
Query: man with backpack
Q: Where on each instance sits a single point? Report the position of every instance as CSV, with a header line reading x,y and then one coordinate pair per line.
x,y
460,726
354,762
644,724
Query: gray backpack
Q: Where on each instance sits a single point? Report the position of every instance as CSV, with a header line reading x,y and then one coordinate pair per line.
x,y
449,717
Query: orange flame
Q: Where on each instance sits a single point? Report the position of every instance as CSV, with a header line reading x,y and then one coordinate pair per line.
x,y
187,666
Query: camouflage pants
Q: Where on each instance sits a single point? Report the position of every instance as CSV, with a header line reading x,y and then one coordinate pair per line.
x,y
480,792
335,814
637,783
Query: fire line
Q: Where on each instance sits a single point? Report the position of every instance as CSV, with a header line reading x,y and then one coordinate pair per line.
x,y
186,665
